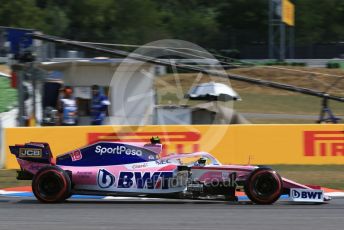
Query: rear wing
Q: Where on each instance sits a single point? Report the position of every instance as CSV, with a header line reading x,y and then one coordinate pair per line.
x,y
33,152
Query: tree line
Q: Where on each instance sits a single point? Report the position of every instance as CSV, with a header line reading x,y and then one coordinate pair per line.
x,y
215,24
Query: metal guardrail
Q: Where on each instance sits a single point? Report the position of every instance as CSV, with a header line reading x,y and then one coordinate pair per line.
x,y
309,62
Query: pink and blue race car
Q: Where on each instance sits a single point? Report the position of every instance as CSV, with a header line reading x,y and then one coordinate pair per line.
x,y
136,169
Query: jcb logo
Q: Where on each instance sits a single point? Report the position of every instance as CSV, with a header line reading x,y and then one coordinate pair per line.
x,y
29,152
178,142
324,143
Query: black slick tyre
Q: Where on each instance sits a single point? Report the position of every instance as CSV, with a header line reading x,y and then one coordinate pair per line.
x,y
263,186
51,184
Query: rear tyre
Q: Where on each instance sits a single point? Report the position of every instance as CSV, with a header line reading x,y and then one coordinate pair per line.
x,y
263,186
51,184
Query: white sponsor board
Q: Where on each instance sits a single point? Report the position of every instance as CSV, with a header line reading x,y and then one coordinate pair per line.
x,y
307,195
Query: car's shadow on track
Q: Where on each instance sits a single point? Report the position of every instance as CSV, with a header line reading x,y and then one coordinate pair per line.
x,y
155,202
72,202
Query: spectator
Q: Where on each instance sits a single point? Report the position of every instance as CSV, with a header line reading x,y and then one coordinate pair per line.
x,y
67,107
99,105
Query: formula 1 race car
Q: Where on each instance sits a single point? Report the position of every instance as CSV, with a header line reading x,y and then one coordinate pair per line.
x,y
136,169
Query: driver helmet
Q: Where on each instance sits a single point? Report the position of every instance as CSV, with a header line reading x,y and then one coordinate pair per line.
x,y
201,161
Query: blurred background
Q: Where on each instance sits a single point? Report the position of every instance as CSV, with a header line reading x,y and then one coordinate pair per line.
x,y
291,42
237,27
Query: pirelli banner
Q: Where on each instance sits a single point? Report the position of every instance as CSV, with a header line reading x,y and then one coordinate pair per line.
x,y
237,144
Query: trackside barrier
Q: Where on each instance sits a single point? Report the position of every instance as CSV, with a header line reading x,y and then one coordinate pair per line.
x,y
7,119
2,149
237,144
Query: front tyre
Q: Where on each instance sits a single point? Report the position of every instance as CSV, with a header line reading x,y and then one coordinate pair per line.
x,y
51,184
263,186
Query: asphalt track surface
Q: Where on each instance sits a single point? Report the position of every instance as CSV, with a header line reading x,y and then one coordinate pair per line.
x,y
27,213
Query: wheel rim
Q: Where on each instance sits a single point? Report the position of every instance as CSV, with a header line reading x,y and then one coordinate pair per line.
x,y
50,185
265,185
